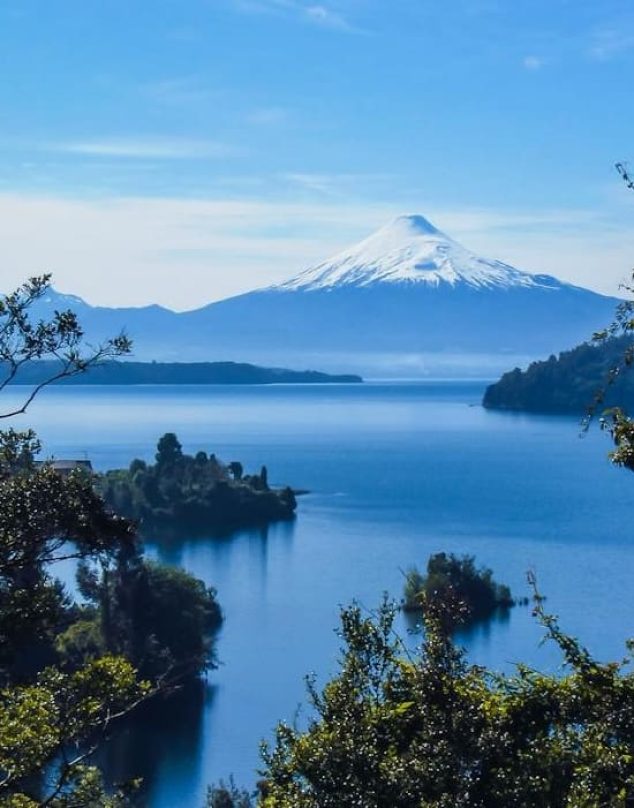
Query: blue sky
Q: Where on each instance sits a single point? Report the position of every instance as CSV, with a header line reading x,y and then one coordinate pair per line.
x,y
182,150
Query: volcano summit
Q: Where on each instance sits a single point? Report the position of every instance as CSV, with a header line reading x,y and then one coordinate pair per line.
x,y
411,250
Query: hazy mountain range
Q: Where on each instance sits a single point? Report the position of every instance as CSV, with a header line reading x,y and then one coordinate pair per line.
x,y
407,301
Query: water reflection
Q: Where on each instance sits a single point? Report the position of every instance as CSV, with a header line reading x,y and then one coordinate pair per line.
x,y
167,742
481,631
478,632
163,736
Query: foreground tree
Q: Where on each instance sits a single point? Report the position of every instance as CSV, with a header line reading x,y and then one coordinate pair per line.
x,y
55,724
68,673
228,795
160,618
50,720
432,731
617,420
44,519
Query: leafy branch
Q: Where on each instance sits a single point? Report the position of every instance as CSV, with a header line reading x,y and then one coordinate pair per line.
x,y
24,339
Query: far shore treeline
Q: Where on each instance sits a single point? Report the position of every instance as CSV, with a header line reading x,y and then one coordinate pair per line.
x,y
588,376
113,372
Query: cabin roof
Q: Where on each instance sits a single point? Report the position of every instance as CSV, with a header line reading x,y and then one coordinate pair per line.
x,y
66,465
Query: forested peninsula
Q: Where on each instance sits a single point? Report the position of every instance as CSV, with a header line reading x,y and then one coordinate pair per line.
x,y
197,493
114,372
568,383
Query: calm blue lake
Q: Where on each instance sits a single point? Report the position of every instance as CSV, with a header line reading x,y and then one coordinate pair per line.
x,y
396,472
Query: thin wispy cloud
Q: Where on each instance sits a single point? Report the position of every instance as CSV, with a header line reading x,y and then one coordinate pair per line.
x,y
590,39
533,62
262,5
179,91
268,116
321,183
612,41
318,14
321,15
156,148
335,184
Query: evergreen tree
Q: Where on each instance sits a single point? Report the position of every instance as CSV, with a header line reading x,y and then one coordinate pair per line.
x,y
168,451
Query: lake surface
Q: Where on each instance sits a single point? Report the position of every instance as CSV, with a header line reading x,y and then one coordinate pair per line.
x,y
396,472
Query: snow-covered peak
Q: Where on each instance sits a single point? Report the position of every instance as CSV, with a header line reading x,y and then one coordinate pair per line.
x,y
411,250
54,298
412,225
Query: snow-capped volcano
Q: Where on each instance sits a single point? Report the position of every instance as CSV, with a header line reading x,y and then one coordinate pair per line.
x,y
407,301
411,250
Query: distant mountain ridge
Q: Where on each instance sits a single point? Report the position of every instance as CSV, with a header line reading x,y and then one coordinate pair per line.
x,y
407,301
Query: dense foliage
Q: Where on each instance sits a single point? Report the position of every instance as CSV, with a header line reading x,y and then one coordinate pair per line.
x,y
73,667
197,493
160,618
619,423
228,795
70,672
45,518
451,577
569,383
62,717
432,731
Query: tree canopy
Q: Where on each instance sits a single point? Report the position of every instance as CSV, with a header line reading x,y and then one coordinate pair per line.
x,y
571,382
70,672
430,730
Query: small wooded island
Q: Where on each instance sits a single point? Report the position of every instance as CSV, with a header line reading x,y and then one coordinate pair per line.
x,y
568,383
456,579
194,493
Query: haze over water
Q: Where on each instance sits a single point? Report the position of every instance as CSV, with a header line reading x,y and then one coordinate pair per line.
x,y
396,472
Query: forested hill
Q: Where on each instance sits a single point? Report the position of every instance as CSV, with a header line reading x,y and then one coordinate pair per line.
x,y
112,372
567,383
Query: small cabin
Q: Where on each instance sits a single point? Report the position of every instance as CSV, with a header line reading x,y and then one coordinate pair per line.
x,y
65,467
